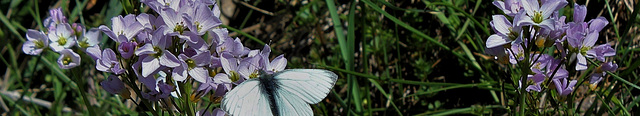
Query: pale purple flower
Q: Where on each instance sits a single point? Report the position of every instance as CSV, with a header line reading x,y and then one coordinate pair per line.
x,y
158,5
216,10
554,35
220,84
78,29
231,68
601,51
509,7
161,90
579,12
68,59
90,38
149,22
112,85
157,55
539,62
55,17
176,24
233,47
582,48
36,43
564,86
553,66
249,67
217,37
582,38
62,37
277,64
516,54
122,28
600,72
197,42
202,19
109,62
94,52
193,66
215,62
506,32
537,79
540,15
127,49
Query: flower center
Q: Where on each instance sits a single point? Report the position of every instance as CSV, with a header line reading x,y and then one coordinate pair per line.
x,y
537,17
234,76
62,41
212,72
66,60
512,35
84,44
584,50
190,63
255,74
158,51
179,28
39,44
198,26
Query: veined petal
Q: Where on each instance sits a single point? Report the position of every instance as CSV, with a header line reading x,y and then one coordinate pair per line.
x,y
550,6
526,21
169,60
101,66
202,58
146,49
579,12
561,73
501,24
149,65
279,63
595,25
582,62
229,63
29,47
92,36
590,40
200,74
109,33
530,6
547,24
180,72
108,56
496,41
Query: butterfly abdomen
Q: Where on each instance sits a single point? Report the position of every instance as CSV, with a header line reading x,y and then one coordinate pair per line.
x,y
269,86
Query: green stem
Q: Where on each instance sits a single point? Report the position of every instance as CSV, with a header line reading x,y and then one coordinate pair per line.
x,y
186,102
82,91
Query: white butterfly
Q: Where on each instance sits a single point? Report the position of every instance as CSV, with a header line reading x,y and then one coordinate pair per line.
x,y
286,93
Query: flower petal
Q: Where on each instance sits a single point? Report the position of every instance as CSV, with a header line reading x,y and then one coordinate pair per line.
x,y
169,60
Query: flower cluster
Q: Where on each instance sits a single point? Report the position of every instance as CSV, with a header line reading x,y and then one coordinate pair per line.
x,y
181,45
539,42
60,36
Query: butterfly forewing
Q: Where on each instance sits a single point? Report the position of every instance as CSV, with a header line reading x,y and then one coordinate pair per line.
x,y
310,85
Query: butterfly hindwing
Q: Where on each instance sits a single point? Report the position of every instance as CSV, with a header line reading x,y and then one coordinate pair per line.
x,y
246,99
288,92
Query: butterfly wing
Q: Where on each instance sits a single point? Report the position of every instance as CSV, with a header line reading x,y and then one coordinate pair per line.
x,y
246,99
299,87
